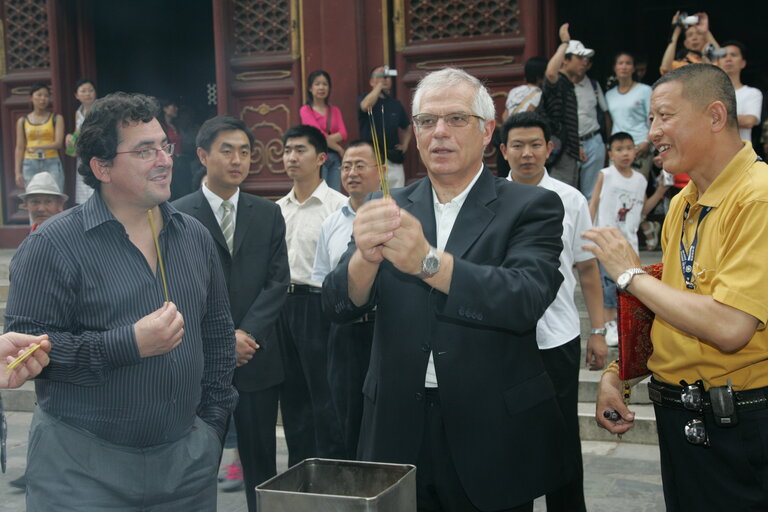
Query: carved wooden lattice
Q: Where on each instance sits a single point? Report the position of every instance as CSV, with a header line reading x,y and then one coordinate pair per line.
x,y
27,34
432,20
262,26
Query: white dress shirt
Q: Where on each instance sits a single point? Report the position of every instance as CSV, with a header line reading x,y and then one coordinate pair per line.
x,y
335,234
215,202
560,322
445,218
302,228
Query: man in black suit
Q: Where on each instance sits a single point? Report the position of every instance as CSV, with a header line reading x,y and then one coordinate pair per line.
x,y
461,265
250,237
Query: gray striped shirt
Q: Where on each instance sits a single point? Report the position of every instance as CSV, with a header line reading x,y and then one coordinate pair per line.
x,y
81,280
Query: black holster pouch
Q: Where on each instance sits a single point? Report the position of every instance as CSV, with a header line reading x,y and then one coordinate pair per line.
x,y
724,405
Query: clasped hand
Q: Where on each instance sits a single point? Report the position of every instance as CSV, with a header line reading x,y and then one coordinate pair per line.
x,y
383,230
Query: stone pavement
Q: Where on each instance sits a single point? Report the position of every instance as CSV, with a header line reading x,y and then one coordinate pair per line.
x,y
617,476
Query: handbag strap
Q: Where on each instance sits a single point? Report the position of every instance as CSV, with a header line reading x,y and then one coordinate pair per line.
x,y
525,100
328,118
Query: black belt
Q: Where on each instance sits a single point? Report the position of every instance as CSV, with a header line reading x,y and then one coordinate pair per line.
x,y
303,289
368,317
667,395
589,135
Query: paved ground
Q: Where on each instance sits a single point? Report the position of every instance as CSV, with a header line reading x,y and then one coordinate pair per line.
x,y
617,476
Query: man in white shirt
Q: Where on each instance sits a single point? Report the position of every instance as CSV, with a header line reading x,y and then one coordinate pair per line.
x,y
311,426
749,100
526,147
349,345
460,266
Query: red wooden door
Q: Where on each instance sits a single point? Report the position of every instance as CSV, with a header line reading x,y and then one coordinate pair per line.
x,y
489,39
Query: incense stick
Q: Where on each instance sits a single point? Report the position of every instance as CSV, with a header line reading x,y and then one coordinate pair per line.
x,y
159,255
16,362
381,164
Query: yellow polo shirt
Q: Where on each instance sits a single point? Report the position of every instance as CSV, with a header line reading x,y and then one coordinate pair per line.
x,y
730,264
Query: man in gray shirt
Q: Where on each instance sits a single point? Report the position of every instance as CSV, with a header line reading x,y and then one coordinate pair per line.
x,y
136,398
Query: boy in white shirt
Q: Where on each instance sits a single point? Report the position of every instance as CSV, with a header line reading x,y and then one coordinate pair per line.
x,y
619,200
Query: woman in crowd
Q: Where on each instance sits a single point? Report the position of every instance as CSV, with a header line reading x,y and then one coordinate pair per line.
x,y
629,104
85,92
39,136
318,112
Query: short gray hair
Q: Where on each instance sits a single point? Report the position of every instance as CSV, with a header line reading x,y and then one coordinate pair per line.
x,y
449,77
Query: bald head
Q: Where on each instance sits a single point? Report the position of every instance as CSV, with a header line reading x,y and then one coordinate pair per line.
x,y
703,84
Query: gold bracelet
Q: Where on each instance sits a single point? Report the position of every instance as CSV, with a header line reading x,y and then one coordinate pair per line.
x,y
613,367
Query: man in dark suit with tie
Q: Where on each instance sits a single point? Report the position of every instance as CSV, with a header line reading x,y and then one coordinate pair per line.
x,y
460,265
250,236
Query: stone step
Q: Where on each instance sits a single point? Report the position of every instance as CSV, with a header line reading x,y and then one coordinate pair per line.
x,y
643,432
22,399
589,381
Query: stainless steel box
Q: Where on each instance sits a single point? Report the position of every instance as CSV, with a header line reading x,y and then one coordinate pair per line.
x,y
325,485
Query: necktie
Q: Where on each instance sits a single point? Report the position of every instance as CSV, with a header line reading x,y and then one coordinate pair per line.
x,y
228,224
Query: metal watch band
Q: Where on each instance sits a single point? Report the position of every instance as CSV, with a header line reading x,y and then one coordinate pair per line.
x,y
601,331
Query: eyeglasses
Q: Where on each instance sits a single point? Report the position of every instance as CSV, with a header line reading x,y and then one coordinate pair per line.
x,y
453,119
358,167
151,153
692,397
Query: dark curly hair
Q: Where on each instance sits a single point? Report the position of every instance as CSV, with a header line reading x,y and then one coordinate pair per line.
x,y
98,135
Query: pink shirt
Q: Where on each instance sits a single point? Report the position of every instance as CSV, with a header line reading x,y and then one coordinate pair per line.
x,y
316,119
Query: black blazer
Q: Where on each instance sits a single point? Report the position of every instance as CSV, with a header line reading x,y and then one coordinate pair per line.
x,y
502,421
257,278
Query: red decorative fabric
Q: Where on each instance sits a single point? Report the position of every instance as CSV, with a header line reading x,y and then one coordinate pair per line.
x,y
634,325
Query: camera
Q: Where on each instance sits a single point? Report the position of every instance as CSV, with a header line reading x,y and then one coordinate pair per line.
x,y
685,21
712,53
387,72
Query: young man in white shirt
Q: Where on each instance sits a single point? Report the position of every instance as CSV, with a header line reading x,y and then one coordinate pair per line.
x,y
311,426
526,147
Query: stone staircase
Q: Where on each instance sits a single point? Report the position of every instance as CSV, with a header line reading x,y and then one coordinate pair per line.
x,y
644,431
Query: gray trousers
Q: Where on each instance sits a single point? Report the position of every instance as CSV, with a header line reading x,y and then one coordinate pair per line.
x,y
69,469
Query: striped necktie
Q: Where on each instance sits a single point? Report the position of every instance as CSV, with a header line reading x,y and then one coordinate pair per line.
x,y
228,224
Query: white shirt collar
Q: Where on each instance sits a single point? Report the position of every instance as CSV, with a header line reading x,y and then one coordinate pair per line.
x,y
320,193
215,201
543,182
458,201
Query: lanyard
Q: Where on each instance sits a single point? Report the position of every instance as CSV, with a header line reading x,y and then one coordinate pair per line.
x,y
686,257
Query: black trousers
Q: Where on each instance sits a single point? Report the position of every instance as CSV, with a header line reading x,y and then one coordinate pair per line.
x,y
255,420
562,364
311,426
438,487
730,474
349,351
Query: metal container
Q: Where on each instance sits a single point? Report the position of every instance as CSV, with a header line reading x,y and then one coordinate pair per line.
x,y
325,485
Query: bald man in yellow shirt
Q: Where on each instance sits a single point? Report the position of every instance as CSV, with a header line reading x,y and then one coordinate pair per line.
x,y
710,359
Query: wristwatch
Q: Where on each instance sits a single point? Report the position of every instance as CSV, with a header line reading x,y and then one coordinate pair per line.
x,y
430,265
601,331
626,277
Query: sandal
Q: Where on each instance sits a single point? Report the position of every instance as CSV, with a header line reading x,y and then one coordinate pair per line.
x,y
652,235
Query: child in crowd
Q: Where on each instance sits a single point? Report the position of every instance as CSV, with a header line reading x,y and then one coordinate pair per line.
x,y
619,200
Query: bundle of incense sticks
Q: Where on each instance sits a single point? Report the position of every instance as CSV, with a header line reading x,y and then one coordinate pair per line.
x,y
159,255
377,150
16,362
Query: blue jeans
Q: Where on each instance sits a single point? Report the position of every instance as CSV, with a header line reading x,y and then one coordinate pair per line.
x,y
594,147
32,166
331,170
610,300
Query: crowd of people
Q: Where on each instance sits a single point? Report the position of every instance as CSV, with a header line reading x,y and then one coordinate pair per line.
x,y
432,323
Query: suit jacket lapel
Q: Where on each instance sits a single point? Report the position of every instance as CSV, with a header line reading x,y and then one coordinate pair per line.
x,y
422,207
474,216
242,221
205,215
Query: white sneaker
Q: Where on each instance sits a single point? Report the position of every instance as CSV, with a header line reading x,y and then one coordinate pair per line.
x,y
611,334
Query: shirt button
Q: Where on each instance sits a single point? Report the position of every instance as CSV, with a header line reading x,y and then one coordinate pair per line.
x,y
419,396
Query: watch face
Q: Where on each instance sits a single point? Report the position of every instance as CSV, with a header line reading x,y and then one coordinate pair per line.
x,y
431,264
623,280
